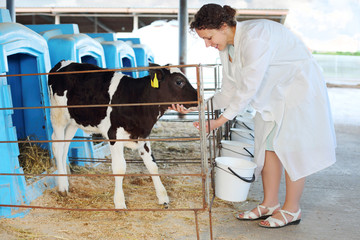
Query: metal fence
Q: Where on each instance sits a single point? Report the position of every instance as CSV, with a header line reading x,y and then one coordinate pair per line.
x,y
207,146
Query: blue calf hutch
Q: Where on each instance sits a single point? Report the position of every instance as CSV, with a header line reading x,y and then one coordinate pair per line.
x,y
66,43
35,49
143,54
118,54
22,52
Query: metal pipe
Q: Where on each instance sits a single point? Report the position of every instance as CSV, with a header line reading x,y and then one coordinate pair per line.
x,y
106,140
135,22
183,24
106,209
57,19
10,5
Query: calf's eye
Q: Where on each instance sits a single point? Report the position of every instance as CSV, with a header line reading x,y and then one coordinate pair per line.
x,y
180,83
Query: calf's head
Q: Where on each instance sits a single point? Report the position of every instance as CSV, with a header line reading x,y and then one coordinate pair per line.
x,y
172,85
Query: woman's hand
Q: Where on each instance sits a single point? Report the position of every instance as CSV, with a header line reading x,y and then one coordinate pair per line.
x,y
215,123
197,125
181,109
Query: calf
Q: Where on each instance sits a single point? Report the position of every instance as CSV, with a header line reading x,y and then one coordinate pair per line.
x,y
119,122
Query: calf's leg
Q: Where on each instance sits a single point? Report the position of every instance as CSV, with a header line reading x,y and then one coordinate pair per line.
x,y
118,167
69,134
149,161
58,151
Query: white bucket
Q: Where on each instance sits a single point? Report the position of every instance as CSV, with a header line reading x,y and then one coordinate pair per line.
x,y
244,121
242,135
237,149
233,177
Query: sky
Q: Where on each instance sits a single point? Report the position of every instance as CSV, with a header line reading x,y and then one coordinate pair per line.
x,y
324,25
330,25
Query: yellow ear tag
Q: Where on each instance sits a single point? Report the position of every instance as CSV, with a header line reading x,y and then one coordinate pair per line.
x,y
155,82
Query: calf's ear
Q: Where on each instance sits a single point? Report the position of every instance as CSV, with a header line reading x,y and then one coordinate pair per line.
x,y
159,72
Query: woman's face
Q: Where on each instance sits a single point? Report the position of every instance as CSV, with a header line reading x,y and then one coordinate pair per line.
x,y
216,38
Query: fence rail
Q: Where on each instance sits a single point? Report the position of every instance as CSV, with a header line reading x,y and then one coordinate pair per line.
x,y
206,171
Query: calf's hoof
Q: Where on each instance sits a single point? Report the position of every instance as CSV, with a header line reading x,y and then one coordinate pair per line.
x,y
163,200
63,193
120,207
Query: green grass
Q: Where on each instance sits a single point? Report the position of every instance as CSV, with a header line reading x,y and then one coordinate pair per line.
x,y
338,53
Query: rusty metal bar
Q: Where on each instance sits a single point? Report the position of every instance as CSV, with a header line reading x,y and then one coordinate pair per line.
x,y
100,105
134,69
158,160
203,148
105,209
197,224
104,175
210,225
107,140
210,216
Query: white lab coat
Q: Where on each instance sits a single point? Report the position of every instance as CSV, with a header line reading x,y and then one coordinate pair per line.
x,y
275,73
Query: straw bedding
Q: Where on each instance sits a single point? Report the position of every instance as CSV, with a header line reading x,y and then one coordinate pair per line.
x,y
185,192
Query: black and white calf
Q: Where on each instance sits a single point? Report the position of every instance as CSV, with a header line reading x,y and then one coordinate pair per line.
x,y
125,122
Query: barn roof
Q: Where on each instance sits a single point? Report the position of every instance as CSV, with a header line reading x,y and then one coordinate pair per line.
x,y
102,19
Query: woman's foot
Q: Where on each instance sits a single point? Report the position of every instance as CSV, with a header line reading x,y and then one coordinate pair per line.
x,y
281,219
260,212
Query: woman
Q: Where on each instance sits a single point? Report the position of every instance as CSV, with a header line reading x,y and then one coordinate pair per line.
x,y
270,69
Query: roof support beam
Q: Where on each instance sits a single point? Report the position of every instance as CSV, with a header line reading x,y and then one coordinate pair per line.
x,y
183,18
100,24
10,5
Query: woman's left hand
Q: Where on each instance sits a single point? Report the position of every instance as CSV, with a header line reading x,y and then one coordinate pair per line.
x,y
214,123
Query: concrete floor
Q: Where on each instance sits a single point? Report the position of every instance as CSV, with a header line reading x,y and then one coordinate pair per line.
x,y
330,203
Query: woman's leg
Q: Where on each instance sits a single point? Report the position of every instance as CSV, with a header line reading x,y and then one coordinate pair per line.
x,y
294,190
271,177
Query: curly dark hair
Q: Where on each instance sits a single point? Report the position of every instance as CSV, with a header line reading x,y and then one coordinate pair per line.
x,y
213,16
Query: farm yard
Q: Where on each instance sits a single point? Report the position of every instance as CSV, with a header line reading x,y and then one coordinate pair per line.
x,y
35,39
325,198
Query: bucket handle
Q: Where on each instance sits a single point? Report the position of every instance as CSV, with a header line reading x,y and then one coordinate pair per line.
x,y
244,179
234,173
251,155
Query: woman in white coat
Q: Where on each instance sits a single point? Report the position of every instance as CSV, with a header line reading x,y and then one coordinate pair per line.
x,y
269,68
